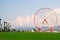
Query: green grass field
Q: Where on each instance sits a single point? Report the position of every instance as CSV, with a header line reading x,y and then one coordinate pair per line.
x,y
29,36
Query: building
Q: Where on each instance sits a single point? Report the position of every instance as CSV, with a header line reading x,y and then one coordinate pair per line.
x,y
7,26
0,25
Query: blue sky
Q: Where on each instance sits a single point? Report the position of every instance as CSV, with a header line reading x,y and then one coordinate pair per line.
x,y
11,9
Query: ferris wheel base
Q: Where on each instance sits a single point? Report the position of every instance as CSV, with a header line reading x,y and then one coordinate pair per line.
x,y
39,30
51,30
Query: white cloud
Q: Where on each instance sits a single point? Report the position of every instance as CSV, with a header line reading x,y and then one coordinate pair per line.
x,y
57,10
28,20
58,15
25,20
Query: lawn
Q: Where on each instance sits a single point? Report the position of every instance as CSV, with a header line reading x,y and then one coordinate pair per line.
x,y
29,36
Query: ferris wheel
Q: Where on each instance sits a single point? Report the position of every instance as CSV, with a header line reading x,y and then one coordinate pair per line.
x,y
45,17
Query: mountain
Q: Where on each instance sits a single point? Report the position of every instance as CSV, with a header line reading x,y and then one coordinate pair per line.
x,y
43,28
